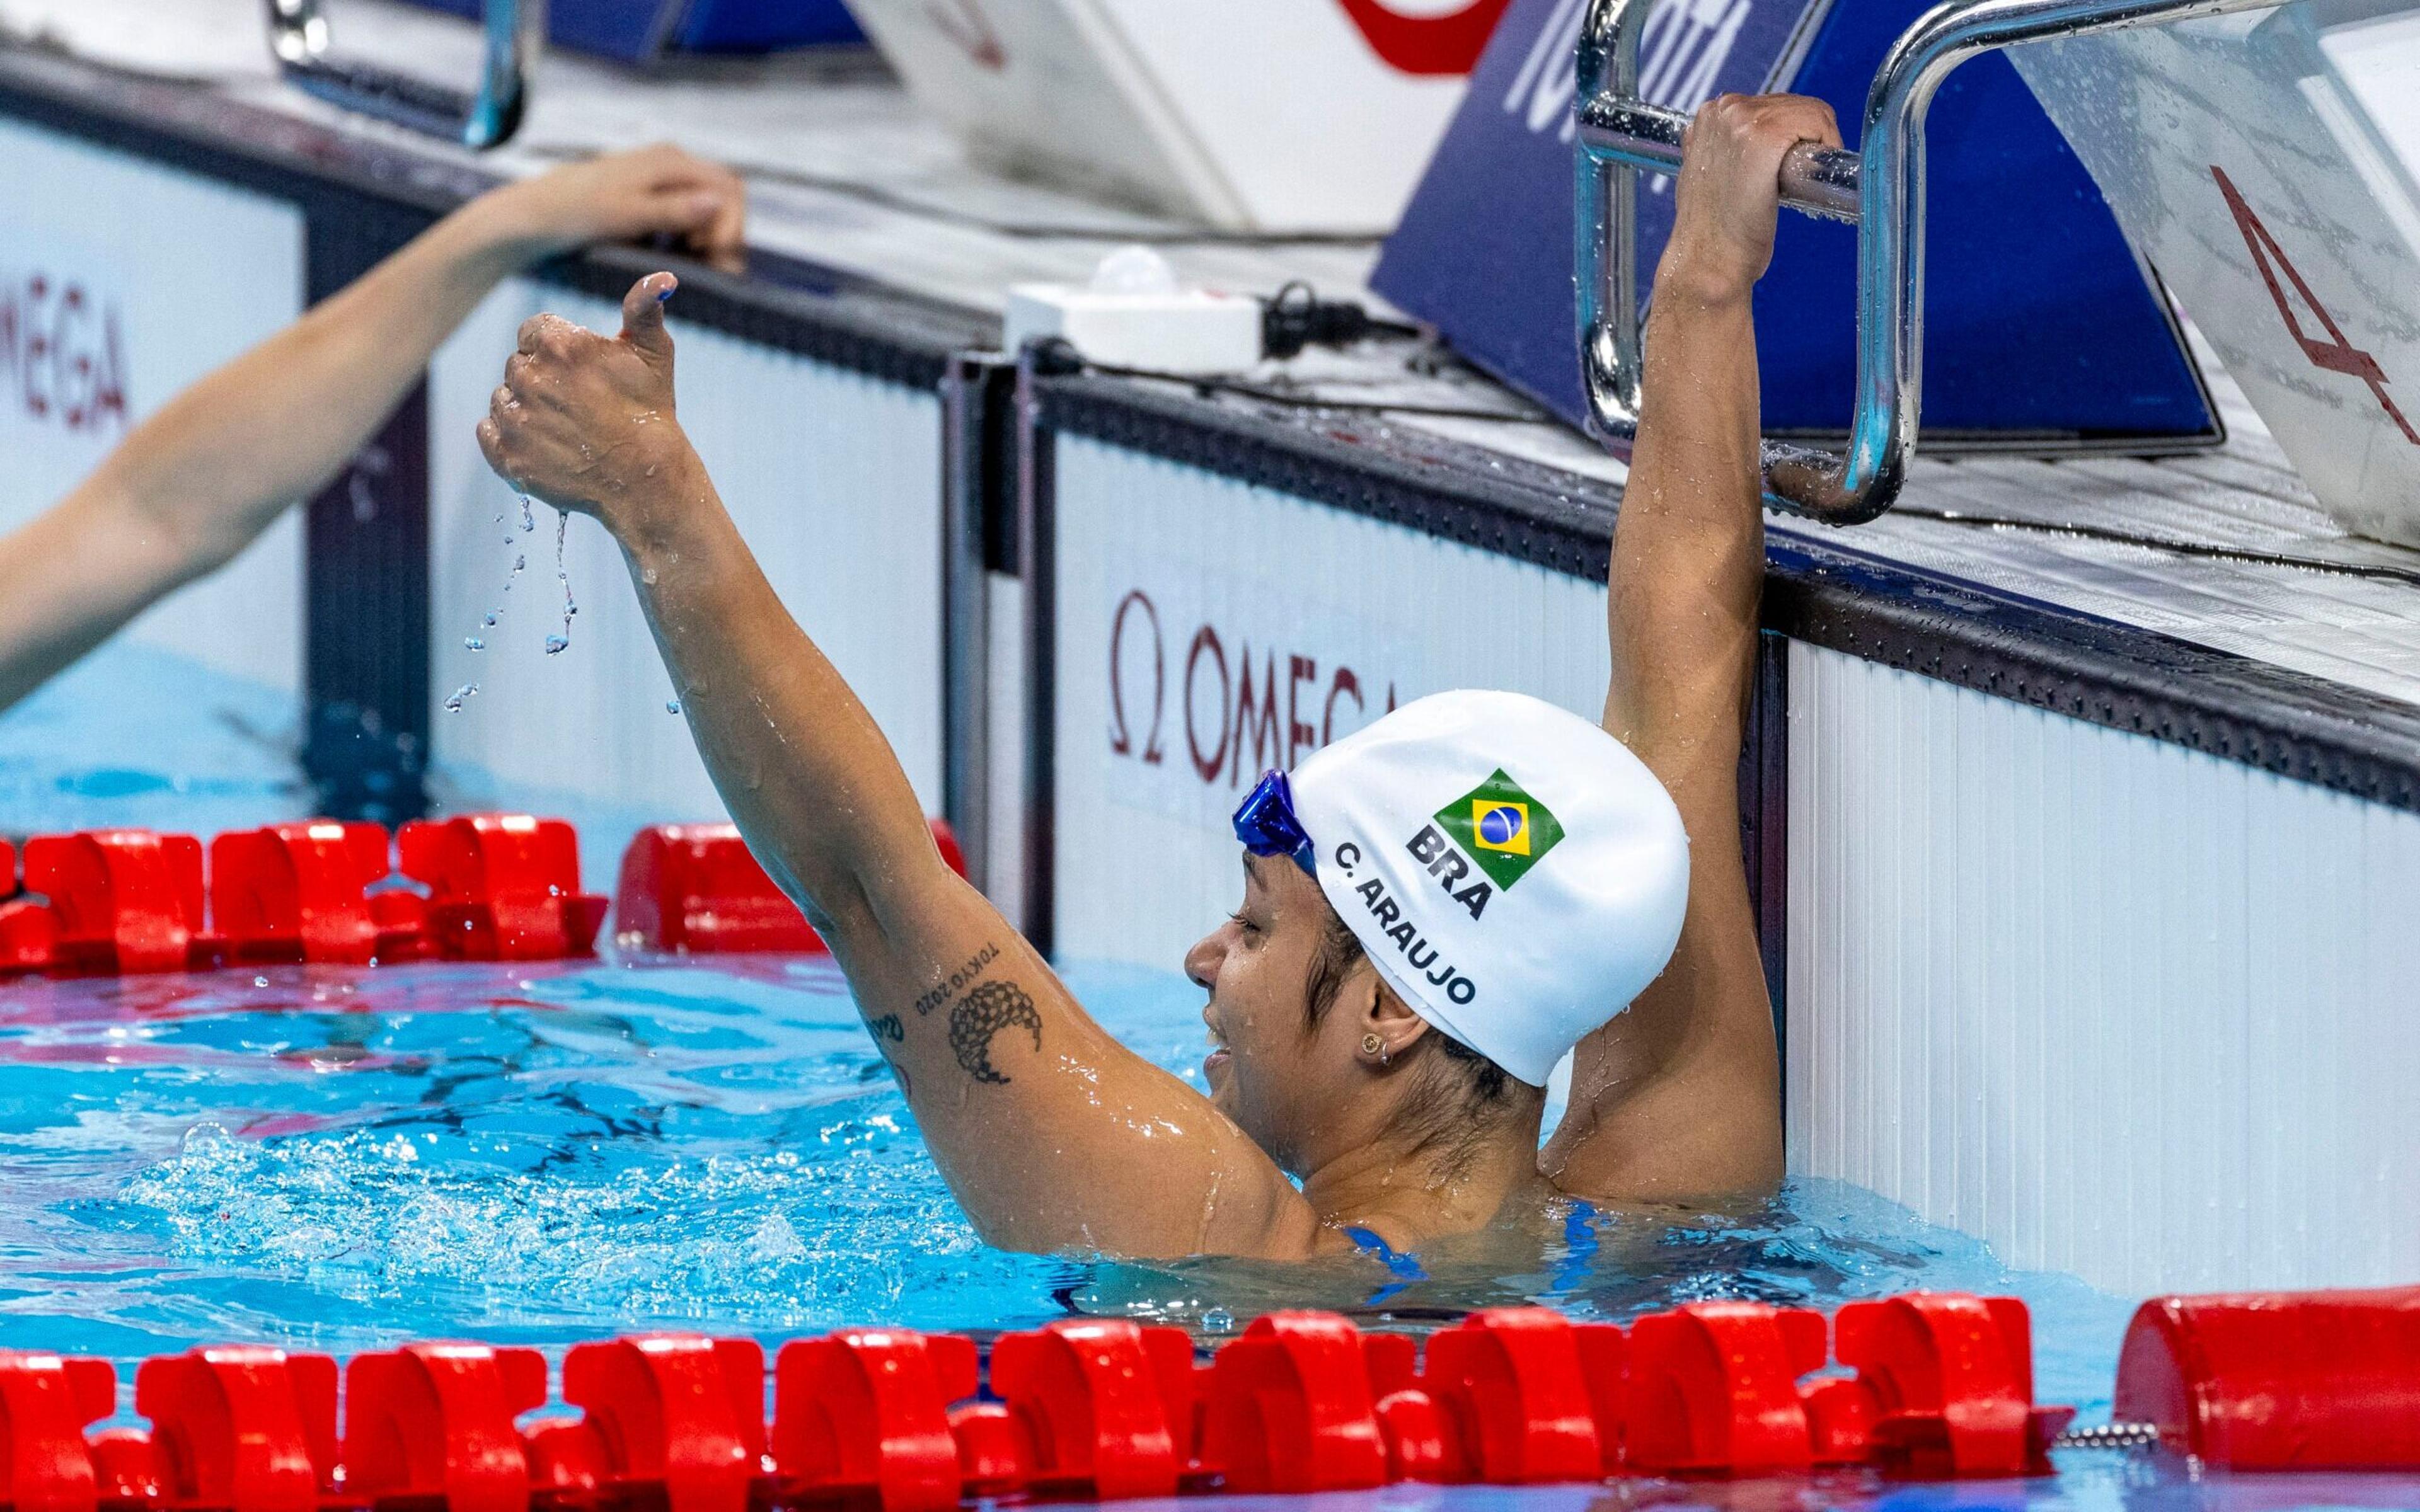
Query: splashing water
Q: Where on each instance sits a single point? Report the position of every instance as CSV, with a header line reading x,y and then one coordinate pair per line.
x,y
557,642
454,705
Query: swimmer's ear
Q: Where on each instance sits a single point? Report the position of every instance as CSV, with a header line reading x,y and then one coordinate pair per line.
x,y
1384,1014
643,317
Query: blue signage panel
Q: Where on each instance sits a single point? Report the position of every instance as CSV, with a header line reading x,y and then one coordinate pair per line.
x,y
637,31
2037,317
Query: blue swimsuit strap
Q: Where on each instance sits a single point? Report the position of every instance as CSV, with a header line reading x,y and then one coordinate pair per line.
x,y
1580,1245
1579,1237
1368,1242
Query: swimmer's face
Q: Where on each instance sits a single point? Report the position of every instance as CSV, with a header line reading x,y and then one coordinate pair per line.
x,y
1268,1068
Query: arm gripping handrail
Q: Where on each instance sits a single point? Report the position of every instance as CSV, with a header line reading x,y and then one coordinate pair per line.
x,y
1882,190
514,31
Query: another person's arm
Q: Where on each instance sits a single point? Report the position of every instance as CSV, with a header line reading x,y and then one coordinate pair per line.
x,y
1052,1135
199,481
1678,1098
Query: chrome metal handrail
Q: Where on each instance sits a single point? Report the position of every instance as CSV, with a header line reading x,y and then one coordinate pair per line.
x,y
515,30
1882,190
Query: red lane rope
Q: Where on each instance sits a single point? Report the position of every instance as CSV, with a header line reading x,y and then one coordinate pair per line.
x,y
1093,1408
486,886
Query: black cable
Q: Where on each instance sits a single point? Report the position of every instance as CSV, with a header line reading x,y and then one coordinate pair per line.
x,y
1288,324
1055,356
2409,576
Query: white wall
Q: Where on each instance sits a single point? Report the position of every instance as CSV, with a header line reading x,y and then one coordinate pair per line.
x,y
1146,861
835,481
2118,1008
120,277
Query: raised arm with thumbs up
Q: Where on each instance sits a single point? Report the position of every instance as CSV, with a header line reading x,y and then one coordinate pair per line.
x,y
585,421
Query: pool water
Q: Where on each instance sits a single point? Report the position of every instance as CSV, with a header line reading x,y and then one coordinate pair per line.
x,y
339,1158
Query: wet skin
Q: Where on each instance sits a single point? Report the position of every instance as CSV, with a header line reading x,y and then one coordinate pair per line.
x,y
1052,1134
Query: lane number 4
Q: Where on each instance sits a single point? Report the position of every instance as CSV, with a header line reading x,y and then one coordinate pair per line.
x,y
2335,354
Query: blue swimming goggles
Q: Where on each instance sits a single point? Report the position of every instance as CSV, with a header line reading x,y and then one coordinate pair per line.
x,y
1265,822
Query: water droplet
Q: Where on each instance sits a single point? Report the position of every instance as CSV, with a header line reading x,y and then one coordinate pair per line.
x,y
529,521
672,705
471,642
556,642
454,705
1218,1321
491,617
260,981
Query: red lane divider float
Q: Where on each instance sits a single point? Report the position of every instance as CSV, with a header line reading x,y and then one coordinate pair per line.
x,y
501,887
698,888
2320,1380
1097,1409
472,887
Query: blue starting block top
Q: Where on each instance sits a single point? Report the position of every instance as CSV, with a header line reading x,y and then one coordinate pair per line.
x,y
2039,317
639,31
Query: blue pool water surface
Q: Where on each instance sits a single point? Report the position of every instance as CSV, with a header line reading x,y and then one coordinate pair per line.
x,y
340,1158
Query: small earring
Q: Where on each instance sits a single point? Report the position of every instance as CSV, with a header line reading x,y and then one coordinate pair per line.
x,y
1372,1045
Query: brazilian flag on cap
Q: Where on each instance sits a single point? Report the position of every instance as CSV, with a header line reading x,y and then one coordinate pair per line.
x,y
1501,828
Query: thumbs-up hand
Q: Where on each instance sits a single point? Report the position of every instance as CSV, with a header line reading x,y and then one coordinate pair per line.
x,y
586,421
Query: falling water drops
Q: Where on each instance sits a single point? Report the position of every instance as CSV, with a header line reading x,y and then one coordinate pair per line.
x,y
454,705
556,642
672,705
471,642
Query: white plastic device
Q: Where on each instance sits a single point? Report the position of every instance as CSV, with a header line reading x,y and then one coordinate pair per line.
x,y
1135,314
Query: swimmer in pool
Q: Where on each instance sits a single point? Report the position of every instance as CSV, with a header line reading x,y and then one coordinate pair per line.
x,y
1434,908
199,481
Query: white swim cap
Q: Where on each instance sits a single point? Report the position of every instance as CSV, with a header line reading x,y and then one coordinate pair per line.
x,y
1516,875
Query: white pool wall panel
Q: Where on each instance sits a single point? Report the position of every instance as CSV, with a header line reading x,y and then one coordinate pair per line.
x,y
118,275
832,477
1146,861
2116,1007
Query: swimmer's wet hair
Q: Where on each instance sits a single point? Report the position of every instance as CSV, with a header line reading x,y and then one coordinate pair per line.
x,y
1485,1085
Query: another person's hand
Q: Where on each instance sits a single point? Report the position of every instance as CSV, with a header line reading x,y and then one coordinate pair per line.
x,y
624,196
1729,196
585,421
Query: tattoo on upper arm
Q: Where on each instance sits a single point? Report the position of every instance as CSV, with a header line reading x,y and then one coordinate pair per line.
x,y
888,1028
958,980
989,1008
